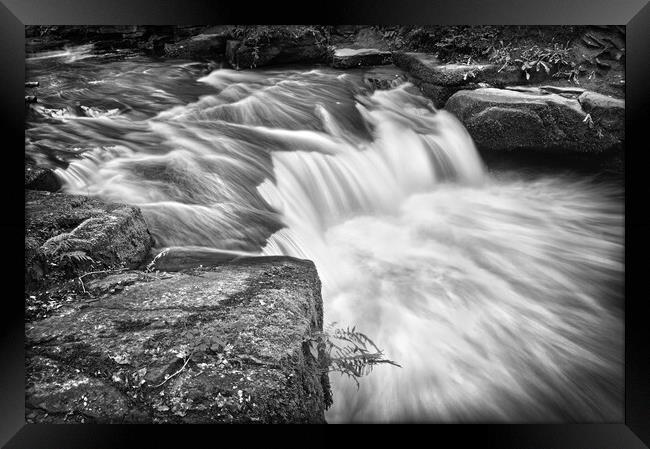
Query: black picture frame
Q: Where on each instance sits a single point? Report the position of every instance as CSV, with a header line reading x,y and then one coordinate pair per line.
x,y
634,432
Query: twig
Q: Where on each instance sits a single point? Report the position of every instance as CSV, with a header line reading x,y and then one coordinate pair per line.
x,y
254,360
176,373
97,272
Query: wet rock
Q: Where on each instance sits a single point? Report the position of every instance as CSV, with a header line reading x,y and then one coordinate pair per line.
x,y
41,178
30,99
383,78
217,344
345,58
71,234
507,120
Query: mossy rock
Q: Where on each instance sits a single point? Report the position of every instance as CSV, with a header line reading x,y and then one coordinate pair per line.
x,y
220,344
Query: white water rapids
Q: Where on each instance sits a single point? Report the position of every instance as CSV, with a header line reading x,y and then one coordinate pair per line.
x,y
500,296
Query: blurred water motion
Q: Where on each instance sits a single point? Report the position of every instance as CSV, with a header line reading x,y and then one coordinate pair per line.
x,y
502,299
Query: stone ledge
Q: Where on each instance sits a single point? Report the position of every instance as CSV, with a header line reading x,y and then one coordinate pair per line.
x,y
217,344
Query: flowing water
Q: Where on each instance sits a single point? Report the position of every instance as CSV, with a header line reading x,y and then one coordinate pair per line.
x,y
499,294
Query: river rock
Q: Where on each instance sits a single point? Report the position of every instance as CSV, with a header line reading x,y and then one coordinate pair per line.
x,y
564,91
428,68
199,47
345,58
222,344
507,120
385,77
440,81
41,178
67,235
288,46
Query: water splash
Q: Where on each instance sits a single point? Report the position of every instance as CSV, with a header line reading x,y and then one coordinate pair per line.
x,y
501,300
498,307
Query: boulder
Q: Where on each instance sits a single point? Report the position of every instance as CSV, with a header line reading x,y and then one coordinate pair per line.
x,y
276,48
507,120
222,344
199,47
41,178
67,235
345,58
606,111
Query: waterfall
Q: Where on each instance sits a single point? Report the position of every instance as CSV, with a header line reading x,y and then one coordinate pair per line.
x,y
483,291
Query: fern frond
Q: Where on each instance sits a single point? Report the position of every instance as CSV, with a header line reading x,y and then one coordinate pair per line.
x,y
355,354
76,256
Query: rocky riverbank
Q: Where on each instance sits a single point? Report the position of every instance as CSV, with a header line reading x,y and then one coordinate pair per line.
x,y
537,90
225,343
113,338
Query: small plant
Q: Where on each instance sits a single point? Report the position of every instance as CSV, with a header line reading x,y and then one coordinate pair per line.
x,y
78,257
500,55
152,265
470,74
65,252
529,59
347,351
571,75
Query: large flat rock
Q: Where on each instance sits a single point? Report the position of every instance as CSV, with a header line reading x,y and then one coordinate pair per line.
x,y
217,344
507,120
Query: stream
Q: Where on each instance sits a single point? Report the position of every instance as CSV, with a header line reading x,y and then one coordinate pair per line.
x,y
499,292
